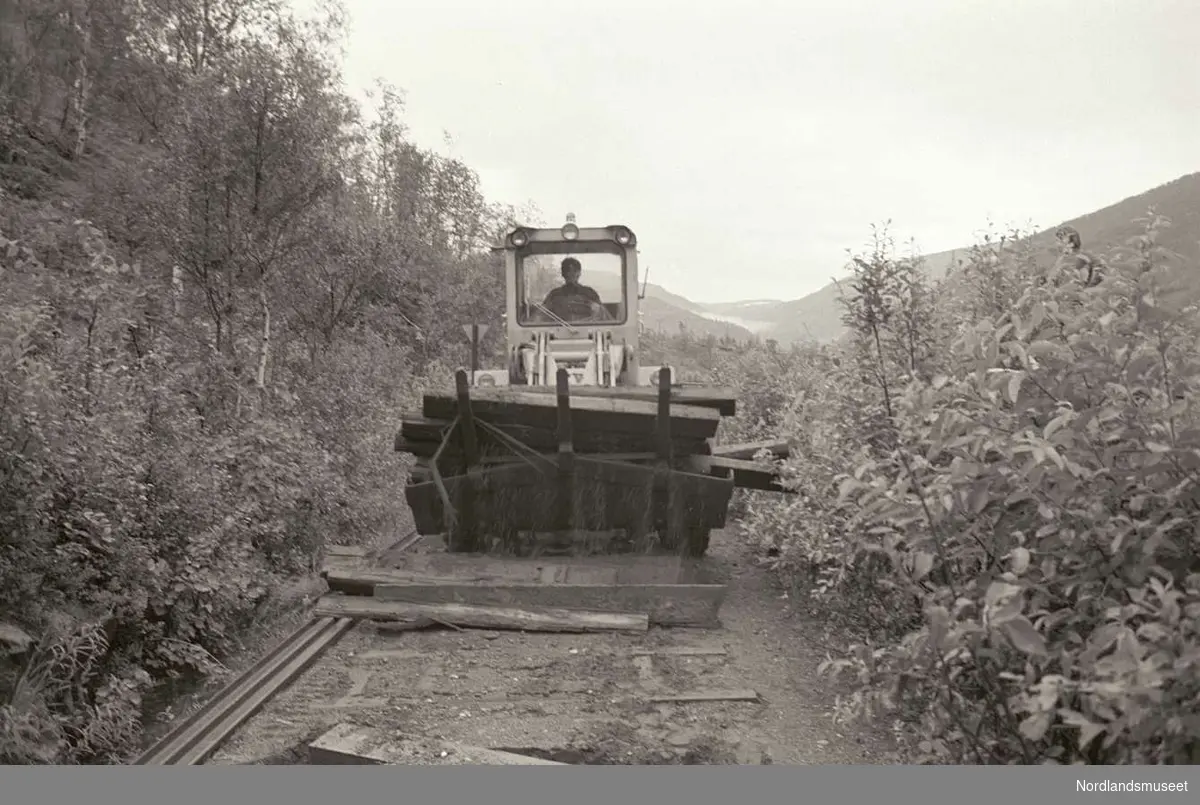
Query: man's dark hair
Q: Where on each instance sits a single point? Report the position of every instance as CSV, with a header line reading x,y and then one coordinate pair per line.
x,y
571,262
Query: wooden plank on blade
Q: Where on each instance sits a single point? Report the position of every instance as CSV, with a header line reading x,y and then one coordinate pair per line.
x,y
645,405
745,474
530,620
723,399
615,447
504,406
664,604
747,450
707,696
421,429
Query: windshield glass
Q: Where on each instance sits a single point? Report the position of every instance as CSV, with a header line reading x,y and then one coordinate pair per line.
x,y
573,288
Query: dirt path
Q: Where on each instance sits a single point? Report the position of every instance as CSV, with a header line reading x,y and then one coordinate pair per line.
x,y
772,650
580,698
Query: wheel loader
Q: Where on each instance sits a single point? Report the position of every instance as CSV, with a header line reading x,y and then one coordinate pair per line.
x,y
576,445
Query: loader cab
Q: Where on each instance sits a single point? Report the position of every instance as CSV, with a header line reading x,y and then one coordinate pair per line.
x,y
581,290
571,302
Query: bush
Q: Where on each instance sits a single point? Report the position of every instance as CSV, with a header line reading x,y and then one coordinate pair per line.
x,y
220,284
999,478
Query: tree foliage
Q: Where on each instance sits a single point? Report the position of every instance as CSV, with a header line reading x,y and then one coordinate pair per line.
x,y
220,280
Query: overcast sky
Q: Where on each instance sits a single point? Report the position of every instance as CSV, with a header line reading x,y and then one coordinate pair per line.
x,y
749,144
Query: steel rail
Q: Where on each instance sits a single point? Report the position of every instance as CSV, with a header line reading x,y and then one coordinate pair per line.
x,y
198,736
195,739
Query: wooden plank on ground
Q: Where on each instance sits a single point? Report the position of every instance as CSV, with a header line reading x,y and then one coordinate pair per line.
x,y
342,564
529,620
482,756
353,745
664,604
707,696
346,550
581,574
629,568
680,651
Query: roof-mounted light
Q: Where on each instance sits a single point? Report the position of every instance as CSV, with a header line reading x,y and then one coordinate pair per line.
x,y
622,236
519,238
570,231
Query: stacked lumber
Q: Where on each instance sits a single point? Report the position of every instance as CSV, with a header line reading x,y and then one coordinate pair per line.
x,y
720,398
603,420
422,436
590,412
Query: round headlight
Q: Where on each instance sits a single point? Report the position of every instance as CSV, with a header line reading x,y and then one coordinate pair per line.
x,y
519,238
623,236
570,232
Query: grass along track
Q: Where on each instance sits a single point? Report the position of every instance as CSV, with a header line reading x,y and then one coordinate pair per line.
x,y
195,739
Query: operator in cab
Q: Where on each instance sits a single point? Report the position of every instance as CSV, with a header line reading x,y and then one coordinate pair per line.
x,y
573,301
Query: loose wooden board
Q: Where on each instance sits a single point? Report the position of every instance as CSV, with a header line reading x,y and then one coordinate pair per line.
x,y
529,620
353,745
680,651
707,696
615,569
346,550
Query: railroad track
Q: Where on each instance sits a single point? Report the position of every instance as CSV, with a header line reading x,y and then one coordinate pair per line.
x,y
198,736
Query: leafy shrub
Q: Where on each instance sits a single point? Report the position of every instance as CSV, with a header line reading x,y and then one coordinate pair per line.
x,y
998,479
219,287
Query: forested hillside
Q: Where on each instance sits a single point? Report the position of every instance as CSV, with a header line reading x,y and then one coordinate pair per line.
x,y
220,282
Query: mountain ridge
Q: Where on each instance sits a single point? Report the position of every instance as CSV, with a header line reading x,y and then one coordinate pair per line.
x,y
817,315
